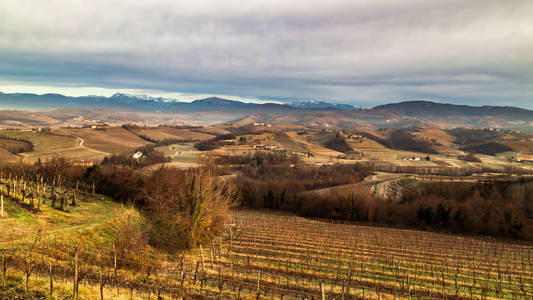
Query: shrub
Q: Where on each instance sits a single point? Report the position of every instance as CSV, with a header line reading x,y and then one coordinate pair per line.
x,y
214,143
185,208
15,145
470,158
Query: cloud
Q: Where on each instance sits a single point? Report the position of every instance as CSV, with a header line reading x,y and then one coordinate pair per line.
x,y
365,52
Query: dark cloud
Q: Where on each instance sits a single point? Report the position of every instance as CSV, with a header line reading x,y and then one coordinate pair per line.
x,y
365,52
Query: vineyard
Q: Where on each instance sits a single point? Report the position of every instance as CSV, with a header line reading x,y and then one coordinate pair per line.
x,y
261,255
302,257
69,233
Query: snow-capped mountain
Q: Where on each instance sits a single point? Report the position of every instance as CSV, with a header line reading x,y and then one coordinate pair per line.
x,y
134,98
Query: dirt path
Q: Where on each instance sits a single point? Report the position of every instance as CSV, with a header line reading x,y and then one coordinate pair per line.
x,y
90,149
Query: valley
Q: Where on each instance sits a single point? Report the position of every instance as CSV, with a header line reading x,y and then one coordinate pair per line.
x,y
288,211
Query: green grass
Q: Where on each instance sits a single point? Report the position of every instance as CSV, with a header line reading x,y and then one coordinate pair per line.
x,y
83,214
93,225
14,289
17,214
87,218
180,152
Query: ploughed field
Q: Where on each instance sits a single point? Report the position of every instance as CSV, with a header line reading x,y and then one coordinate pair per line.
x,y
274,255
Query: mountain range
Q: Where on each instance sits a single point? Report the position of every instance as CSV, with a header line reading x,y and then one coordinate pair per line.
x,y
315,114
125,102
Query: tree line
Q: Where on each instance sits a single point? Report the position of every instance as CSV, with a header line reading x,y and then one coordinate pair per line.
x,y
183,208
15,145
503,209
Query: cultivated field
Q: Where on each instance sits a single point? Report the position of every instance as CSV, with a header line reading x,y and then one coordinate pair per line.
x,y
48,145
166,132
183,155
108,140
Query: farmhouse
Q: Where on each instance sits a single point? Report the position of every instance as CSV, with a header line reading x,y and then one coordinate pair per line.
x,y
524,157
413,158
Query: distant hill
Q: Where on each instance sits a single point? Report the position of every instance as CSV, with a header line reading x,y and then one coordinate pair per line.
x,y
321,105
220,103
409,114
428,108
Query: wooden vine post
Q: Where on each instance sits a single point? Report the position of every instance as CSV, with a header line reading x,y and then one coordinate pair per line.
x,y
75,292
348,279
258,284
196,272
4,270
202,258
51,275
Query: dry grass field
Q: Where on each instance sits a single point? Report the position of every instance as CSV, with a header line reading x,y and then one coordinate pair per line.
x,y
6,156
109,140
443,140
166,132
213,130
524,146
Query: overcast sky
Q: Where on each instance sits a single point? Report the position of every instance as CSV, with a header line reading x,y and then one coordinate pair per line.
x,y
360,52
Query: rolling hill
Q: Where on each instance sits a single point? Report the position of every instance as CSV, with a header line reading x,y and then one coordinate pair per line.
x,y
408,114
122,108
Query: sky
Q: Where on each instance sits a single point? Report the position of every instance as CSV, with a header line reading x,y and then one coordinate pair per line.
x,y
360,52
